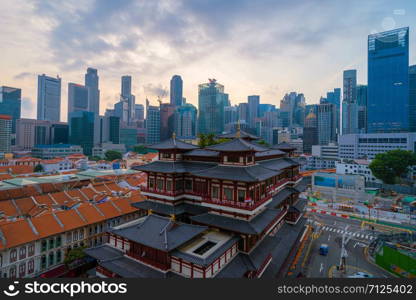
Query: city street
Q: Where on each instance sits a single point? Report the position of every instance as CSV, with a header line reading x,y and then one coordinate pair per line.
x,y
329,230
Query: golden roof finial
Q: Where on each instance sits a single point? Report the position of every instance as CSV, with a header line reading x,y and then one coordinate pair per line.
x,y
174,135
238,134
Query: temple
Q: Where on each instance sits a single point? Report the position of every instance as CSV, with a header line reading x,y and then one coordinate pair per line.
x,y
229,210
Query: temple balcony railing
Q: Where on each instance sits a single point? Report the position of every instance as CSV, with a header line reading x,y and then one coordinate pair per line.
x,y
105,272
247,204
296,178
162,192
147,261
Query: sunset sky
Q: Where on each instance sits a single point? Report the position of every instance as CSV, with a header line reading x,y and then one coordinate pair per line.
x,y
264,47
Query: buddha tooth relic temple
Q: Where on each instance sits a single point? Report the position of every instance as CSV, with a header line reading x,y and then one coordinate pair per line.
x,y
229,210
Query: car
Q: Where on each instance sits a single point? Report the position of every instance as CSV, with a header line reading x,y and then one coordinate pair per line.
x,y
323,250
361,275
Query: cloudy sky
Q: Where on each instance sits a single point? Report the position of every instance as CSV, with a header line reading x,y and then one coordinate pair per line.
x,y
265,47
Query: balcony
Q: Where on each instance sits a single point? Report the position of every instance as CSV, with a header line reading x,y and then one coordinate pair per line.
x,y
162,192
105,272
296,178
247,204
147,261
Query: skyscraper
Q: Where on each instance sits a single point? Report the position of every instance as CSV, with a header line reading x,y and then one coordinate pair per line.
x,y
310,131
243,112
362,108
176,90
152,124
253,109
82,130
128,97
326,119
292,110
11,103
211,103
91,82
139,114
167,120
349,102
412,98
334,97
77,98
388,81
185,121
5,134
49,98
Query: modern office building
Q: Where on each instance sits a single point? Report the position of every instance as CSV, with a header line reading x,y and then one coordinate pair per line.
x,y
77,98
253,109
54,151
139,112
5,134
310,131
176,90
412,98
82,130
167,120
388,81
326,123
31,132
334,97
11,104
127,96
128,137
121,110
230,114
323,157
107,130
349,102
92,83
152,124
362,108
292,110
49,98
368,145
186,121
211,103
357,167
243,112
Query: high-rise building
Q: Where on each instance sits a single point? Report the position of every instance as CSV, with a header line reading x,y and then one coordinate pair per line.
x,y
243,112
121,110
230,114
127,96
211,102
11,104
139,113
152,124
5,134
388,81
292,110
77,98
326,117
91,82
412,98
310,131
334,97
362,108
185,121
253,109
176,90
49,98
264,107
82,130
31,132
167,120
349,103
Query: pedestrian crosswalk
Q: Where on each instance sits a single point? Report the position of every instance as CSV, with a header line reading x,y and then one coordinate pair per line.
x,y
357,235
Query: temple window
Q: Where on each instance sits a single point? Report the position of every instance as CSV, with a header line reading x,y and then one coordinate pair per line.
x,y
188,184
215,192
250,159
228,194
167,155
151,183
159,184
169,184
241,195
178,185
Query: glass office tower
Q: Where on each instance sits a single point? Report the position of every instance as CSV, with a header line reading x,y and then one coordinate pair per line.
x,y
388,81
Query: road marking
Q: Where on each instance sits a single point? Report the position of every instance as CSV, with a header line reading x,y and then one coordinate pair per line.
x,y
342,231
346,227
329,236
367,236
339,230
321,268
355,234
325,228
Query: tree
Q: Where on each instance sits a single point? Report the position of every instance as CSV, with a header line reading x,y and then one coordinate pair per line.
x,y
202,140
263,142
74,254
111,155
211,139
94,158
140,149
390,166
38,168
